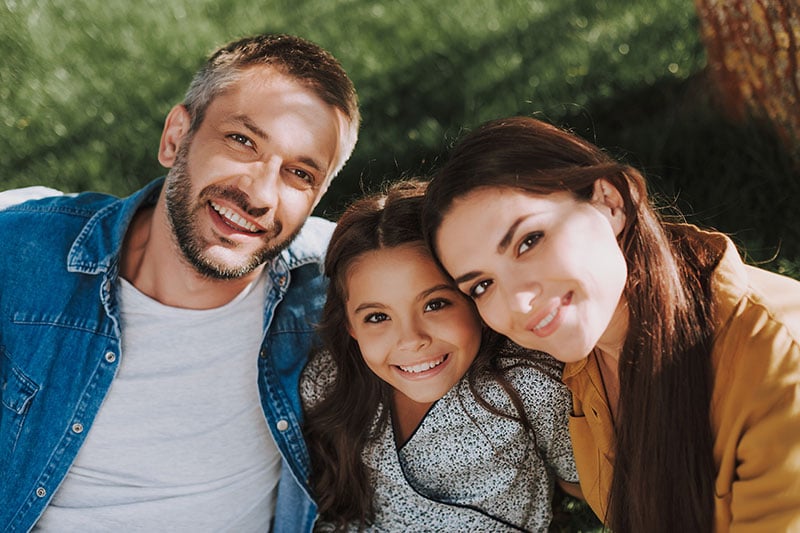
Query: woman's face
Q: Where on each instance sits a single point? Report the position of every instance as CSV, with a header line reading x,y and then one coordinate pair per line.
x,y
544,270
415,330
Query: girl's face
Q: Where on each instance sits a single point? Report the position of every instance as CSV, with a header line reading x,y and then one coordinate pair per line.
x,y
544,270
415,330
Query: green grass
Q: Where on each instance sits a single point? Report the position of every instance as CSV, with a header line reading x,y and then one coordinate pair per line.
x,y
85,85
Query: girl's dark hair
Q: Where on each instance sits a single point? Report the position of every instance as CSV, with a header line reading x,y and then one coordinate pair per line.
x,y
339,426
664,468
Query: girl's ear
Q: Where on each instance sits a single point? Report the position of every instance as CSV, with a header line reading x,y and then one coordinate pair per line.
x,y
607,199
176,126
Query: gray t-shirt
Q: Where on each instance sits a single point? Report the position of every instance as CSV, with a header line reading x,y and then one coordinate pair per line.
x,y
180,442
465,468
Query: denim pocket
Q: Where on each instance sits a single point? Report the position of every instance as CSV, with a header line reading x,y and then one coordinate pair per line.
x,y
16,392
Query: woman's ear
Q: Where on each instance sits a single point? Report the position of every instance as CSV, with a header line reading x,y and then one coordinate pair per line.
x,y
176,126
609,201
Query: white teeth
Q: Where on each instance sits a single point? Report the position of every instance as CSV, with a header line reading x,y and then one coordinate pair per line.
x,y
422,367
546,320
234,217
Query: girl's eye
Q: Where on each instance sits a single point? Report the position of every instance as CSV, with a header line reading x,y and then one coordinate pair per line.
x,y
436,305
479,289
241,139
376,318
529,242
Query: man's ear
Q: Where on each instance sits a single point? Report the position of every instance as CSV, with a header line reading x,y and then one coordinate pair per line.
x,y
609,201
176,126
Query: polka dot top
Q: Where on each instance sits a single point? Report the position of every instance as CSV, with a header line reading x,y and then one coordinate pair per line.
x,y
466,468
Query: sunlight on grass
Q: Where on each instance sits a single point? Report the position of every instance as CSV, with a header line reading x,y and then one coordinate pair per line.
x,y
86,85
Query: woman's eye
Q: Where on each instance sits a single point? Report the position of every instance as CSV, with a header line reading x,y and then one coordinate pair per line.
x,y
435,305
479,289
376,318
241,139
529,242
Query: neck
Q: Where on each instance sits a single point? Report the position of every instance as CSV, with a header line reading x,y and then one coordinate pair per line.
x,y
407,416
153,263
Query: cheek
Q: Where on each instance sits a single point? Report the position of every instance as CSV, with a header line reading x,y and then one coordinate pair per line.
x,y
493,315
372,348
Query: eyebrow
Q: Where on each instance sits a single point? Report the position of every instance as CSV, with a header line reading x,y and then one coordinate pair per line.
x,y
253,127
441,287
502,246
368,305
424,294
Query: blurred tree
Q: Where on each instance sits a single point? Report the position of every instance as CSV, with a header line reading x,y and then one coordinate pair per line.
x,y
753,51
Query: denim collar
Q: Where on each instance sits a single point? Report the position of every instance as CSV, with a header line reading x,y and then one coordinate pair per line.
x,y
98,246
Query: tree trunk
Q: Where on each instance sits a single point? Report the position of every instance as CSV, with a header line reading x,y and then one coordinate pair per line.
x,y
753,51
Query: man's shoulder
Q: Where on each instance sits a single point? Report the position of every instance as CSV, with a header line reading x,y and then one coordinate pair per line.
x,y
311,243
17,196
39,200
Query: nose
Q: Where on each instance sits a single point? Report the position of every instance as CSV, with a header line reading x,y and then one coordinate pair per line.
x,y
520,299
413,337
262,183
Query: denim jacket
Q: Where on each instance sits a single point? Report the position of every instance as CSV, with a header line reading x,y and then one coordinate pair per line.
x,y
60,344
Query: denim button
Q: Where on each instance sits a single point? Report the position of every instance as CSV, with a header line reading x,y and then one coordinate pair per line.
x,y
77,427
282,425
40,492
111,357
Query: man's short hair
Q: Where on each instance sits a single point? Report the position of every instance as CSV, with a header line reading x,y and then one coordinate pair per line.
x,y
297,58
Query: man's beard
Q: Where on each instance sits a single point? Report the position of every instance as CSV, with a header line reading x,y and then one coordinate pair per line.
x,y
183,214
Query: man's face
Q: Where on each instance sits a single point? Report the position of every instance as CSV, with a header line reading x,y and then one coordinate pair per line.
x,y
241,187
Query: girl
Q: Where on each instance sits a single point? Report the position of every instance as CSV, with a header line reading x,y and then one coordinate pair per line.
x,y
426,421
683,362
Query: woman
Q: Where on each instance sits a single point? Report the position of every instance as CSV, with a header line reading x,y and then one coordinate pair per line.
x,y
417,417
683,362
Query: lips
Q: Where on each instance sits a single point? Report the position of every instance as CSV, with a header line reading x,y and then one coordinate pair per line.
x,y
549,318
234,220
545,325
424,366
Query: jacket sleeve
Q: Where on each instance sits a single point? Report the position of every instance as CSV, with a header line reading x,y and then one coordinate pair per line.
x,y
765,490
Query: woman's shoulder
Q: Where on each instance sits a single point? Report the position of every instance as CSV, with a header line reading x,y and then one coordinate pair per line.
x,y
761,305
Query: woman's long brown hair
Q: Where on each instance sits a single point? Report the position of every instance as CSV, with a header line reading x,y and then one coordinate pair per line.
x,y
663,466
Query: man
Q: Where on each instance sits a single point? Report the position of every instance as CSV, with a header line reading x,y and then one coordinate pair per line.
x,y
137,335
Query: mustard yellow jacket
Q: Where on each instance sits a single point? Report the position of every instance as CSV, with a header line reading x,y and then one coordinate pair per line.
x,y
755,408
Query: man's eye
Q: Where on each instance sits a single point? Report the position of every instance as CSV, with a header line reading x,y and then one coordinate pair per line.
x,y
375,318
435,305
241,139
479,289
303,175
529,242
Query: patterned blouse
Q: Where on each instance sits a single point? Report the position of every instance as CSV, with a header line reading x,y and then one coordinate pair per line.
x,y
466,468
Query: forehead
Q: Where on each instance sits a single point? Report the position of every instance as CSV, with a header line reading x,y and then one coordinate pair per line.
x,y
281,106
477,223
389,268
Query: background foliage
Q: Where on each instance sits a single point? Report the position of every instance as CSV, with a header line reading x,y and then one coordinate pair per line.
x,y
85,85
